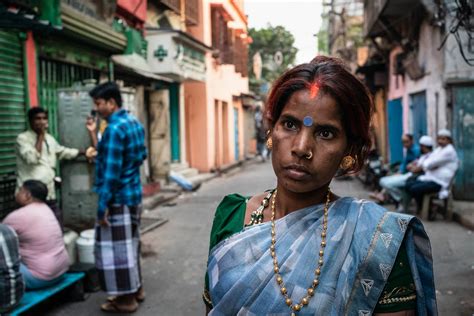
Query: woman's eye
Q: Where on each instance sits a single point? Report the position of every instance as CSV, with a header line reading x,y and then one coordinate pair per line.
x,y
289,125
326,134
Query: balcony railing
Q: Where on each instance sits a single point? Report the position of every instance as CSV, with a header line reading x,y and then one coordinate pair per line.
x,y
192,12
232,48
191,9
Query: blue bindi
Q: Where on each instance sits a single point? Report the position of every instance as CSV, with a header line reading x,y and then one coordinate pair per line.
x,y
308,121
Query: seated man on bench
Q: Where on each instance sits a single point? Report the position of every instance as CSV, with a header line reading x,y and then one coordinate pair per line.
x,y
394,184
439,169
44,258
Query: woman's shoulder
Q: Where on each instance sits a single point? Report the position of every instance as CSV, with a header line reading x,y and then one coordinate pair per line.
x,y
22,212
364,205
21,217
228,218
369,211
230,203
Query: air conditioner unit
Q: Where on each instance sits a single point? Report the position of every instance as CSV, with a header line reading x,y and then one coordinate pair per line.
x,y
412,67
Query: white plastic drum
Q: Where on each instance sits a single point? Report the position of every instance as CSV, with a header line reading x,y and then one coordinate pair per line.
x,y
85,246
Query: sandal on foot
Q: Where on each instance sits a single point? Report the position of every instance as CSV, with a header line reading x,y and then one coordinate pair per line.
x,y
140,297
113,307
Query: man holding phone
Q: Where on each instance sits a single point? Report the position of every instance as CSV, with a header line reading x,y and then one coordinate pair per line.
x,y
37,153
121,151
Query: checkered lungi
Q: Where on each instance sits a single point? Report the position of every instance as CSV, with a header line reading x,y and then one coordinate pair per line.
x,y
117,250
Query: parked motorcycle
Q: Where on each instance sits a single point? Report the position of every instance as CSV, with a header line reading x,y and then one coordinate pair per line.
x,y
373,170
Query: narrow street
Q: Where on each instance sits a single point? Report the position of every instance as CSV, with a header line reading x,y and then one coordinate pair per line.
x,y
175,253
87,86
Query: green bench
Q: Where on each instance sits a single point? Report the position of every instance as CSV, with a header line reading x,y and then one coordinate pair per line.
x,y
32,298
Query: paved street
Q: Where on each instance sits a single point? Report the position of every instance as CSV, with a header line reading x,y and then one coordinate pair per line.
x,y
176,253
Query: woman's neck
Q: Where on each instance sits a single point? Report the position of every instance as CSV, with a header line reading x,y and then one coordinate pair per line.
x,y
287,201
31,201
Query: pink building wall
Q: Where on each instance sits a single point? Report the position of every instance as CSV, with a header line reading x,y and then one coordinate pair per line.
x,y
223,87
431,83
397,88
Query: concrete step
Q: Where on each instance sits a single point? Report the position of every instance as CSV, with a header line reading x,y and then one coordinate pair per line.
x,y
170,187
179,166
188,173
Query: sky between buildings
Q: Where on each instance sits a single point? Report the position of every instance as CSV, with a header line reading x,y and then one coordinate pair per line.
x,y
301,17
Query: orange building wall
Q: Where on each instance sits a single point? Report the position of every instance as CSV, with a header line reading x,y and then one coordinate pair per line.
x,y
31,62
197,118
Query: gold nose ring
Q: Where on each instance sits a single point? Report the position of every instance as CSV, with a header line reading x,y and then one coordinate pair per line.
x,y
309,155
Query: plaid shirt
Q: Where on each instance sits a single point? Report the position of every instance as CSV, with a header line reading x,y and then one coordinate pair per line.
x,y
11,280
121,152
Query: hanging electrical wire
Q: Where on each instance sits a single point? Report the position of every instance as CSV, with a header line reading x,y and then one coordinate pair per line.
x,y
461,23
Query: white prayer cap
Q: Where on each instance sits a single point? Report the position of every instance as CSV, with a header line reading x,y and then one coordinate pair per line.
x,y
426,141
444,132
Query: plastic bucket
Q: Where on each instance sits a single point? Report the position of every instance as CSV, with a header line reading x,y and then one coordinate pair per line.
x,y
70,237
85,246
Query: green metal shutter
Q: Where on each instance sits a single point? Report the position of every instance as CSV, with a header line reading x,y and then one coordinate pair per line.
x,y
12,98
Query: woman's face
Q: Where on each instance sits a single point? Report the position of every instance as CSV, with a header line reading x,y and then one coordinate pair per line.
x,y
23,196
293,141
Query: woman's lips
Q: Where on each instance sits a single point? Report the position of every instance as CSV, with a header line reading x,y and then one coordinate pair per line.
x,y
297,172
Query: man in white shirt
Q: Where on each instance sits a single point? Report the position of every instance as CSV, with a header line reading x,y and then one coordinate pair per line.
x,y
394,184
439,169
37,155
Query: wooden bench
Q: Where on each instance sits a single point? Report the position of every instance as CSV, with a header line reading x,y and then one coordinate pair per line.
x,y
32,298
447,203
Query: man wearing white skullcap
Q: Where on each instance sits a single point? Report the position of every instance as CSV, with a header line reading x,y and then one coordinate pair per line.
x,y
444,133
394,184
426,141
439,169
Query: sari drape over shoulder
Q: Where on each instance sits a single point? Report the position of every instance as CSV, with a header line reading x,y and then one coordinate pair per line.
x,y
362,245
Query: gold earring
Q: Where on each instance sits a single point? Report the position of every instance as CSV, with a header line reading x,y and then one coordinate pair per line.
x,y
347,162
269,143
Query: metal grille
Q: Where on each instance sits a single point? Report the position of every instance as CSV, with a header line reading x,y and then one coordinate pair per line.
x,y
7,194
12,98
55,75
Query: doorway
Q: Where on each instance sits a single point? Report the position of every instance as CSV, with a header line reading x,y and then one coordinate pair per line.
x,y
395,129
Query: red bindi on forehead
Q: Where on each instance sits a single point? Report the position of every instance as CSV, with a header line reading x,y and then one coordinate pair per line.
x,y
313,90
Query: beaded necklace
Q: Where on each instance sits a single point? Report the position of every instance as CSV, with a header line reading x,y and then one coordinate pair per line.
x,y
256,217
310,292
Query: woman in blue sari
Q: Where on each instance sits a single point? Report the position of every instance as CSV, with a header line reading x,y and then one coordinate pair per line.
x,y
299,249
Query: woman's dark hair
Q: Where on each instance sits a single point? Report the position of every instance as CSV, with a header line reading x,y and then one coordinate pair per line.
x,y
38,189
107,90
333,78
35,111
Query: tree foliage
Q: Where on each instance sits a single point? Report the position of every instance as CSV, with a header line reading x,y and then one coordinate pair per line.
x,y
268,41
323,42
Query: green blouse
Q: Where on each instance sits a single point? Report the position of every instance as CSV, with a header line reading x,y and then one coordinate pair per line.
x,y
399,293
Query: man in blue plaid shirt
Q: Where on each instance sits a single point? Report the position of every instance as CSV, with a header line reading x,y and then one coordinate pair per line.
x,y
121,152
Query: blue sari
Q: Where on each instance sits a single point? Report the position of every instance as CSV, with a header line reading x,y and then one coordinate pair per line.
x,y
362,244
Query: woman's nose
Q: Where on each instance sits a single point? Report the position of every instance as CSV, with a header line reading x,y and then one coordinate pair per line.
x,y
303,143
